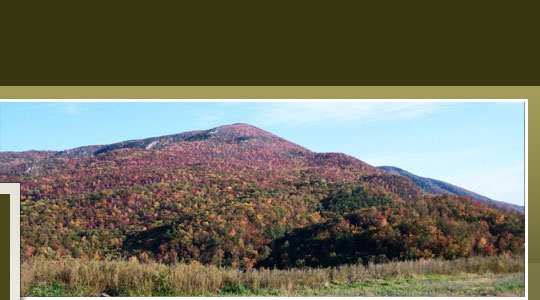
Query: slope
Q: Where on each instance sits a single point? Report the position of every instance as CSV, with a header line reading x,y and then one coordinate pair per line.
x,y
438,187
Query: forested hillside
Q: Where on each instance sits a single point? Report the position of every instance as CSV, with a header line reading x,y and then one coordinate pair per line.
x,y
239,196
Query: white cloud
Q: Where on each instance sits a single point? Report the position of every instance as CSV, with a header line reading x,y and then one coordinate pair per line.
x,y
306,113
71,109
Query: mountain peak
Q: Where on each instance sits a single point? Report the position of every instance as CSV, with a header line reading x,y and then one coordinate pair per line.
x,y
239,130
240,124
236,133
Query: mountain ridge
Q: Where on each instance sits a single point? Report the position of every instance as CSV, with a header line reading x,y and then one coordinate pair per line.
x,y
439,187
236,130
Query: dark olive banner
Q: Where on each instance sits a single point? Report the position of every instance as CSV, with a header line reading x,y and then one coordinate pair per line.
x,y
270,43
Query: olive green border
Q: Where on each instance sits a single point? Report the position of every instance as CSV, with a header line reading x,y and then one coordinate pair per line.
x,y
4,250
269,92
323,92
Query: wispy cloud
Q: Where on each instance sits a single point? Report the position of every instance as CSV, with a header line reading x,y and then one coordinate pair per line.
x,y
306,113
68,108
71,109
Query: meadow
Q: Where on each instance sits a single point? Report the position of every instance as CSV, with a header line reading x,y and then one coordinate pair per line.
x,y
477,276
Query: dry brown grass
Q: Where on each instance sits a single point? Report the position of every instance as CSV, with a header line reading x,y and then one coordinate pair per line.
x,y
144,279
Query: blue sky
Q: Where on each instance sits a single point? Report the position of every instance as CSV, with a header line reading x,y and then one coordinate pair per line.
x,y
478,146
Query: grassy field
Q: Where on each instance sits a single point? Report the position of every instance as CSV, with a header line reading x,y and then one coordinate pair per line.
x,y
480,276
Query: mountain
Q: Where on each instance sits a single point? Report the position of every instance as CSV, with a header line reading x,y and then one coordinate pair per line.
x,y
237,195
238,139
438,187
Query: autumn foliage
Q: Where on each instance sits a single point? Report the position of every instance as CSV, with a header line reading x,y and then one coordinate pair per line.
x,y
239,196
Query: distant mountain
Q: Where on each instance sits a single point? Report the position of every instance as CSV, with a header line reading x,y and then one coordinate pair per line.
x,y
237,195
438,187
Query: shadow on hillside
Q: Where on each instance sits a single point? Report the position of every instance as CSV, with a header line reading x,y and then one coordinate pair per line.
x,y
148,240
